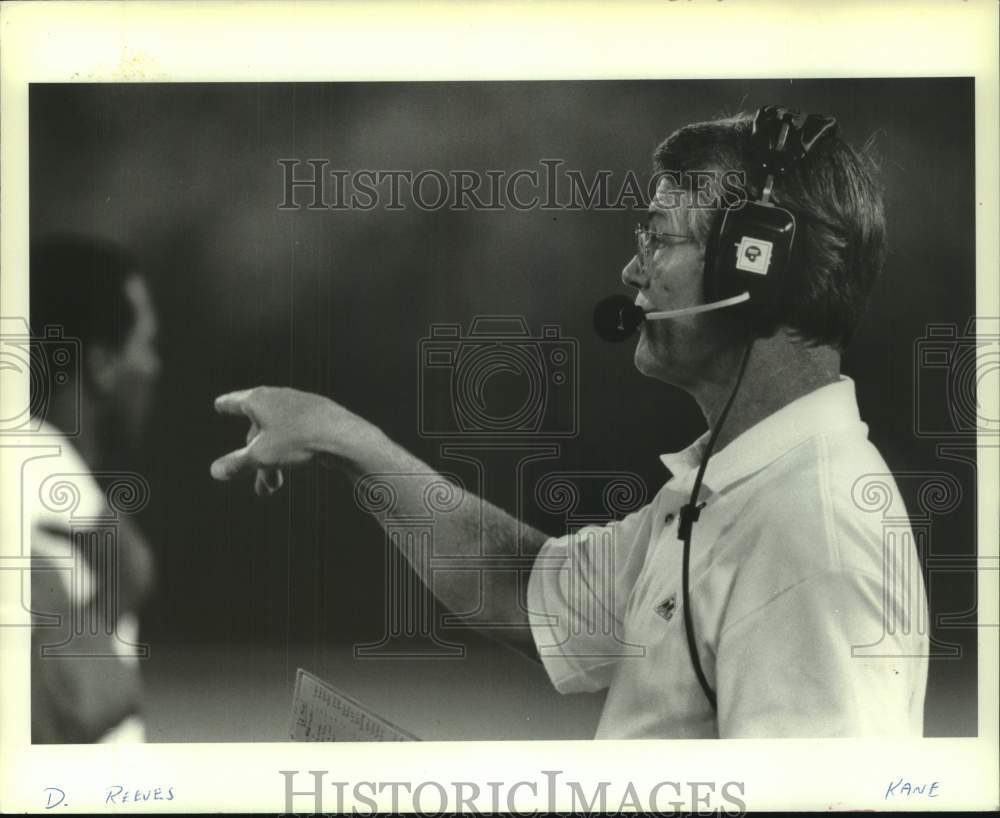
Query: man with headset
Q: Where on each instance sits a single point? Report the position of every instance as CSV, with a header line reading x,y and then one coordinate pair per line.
x,y
752,597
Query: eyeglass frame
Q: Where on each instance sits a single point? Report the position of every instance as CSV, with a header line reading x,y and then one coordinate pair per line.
x,y
642,241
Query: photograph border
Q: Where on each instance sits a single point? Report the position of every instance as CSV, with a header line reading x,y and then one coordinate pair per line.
x,y
226,42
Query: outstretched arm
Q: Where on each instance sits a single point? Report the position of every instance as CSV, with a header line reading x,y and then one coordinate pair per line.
x,y
289,428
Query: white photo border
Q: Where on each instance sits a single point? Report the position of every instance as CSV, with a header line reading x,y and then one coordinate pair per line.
x,y
224,42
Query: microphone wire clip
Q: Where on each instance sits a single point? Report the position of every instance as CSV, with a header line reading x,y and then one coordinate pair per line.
x,y
689,515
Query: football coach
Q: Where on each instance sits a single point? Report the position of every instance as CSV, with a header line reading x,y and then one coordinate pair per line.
x,y
752,597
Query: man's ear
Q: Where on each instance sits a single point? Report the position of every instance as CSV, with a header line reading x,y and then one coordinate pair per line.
x,y
101,367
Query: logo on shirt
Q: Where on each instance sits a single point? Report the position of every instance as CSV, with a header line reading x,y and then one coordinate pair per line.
x,y
667,607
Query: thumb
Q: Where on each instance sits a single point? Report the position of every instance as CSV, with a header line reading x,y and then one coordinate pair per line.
x,y
233,464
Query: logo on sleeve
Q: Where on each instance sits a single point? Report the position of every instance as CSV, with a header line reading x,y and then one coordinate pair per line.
x,y
667,607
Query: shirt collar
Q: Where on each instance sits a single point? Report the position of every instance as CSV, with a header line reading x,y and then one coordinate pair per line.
x,y
829,408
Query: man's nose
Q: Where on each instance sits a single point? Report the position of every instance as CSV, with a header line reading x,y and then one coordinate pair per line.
x,y
633,274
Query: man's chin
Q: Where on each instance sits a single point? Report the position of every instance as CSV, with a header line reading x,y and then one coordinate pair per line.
x,y
643,359
649,364
125,438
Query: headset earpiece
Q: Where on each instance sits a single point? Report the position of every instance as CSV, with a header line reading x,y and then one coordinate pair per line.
x,y
749,248
752,252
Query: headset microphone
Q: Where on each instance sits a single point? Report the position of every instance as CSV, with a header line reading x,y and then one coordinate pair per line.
x,y
617,317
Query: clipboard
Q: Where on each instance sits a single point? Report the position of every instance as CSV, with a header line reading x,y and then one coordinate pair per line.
x,y
320,712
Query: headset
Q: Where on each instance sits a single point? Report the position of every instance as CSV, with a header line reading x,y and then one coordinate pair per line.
x,y
749,251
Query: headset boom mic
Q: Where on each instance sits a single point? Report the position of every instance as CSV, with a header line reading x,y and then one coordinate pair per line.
x,y
616,317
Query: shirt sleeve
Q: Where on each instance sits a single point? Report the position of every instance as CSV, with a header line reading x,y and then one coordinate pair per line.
x,y
577,593
797,666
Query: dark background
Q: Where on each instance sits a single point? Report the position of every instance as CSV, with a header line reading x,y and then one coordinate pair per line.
x,y
336,302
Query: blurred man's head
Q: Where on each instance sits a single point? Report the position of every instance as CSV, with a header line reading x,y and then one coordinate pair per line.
x,y
839,249
94,290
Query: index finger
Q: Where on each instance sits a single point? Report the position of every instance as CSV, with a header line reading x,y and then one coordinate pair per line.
x,y
233,403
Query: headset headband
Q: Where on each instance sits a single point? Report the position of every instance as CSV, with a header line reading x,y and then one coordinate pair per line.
x,y
781,137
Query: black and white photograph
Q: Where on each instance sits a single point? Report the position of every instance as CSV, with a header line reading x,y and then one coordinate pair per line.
x,y
499,412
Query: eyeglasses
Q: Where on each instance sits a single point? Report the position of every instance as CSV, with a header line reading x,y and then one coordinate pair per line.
x,y
649,241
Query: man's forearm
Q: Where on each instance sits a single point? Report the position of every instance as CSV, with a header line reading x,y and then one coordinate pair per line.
x,y
289,428
491,550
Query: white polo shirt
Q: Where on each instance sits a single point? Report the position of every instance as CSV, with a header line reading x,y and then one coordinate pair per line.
x,y
809,611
